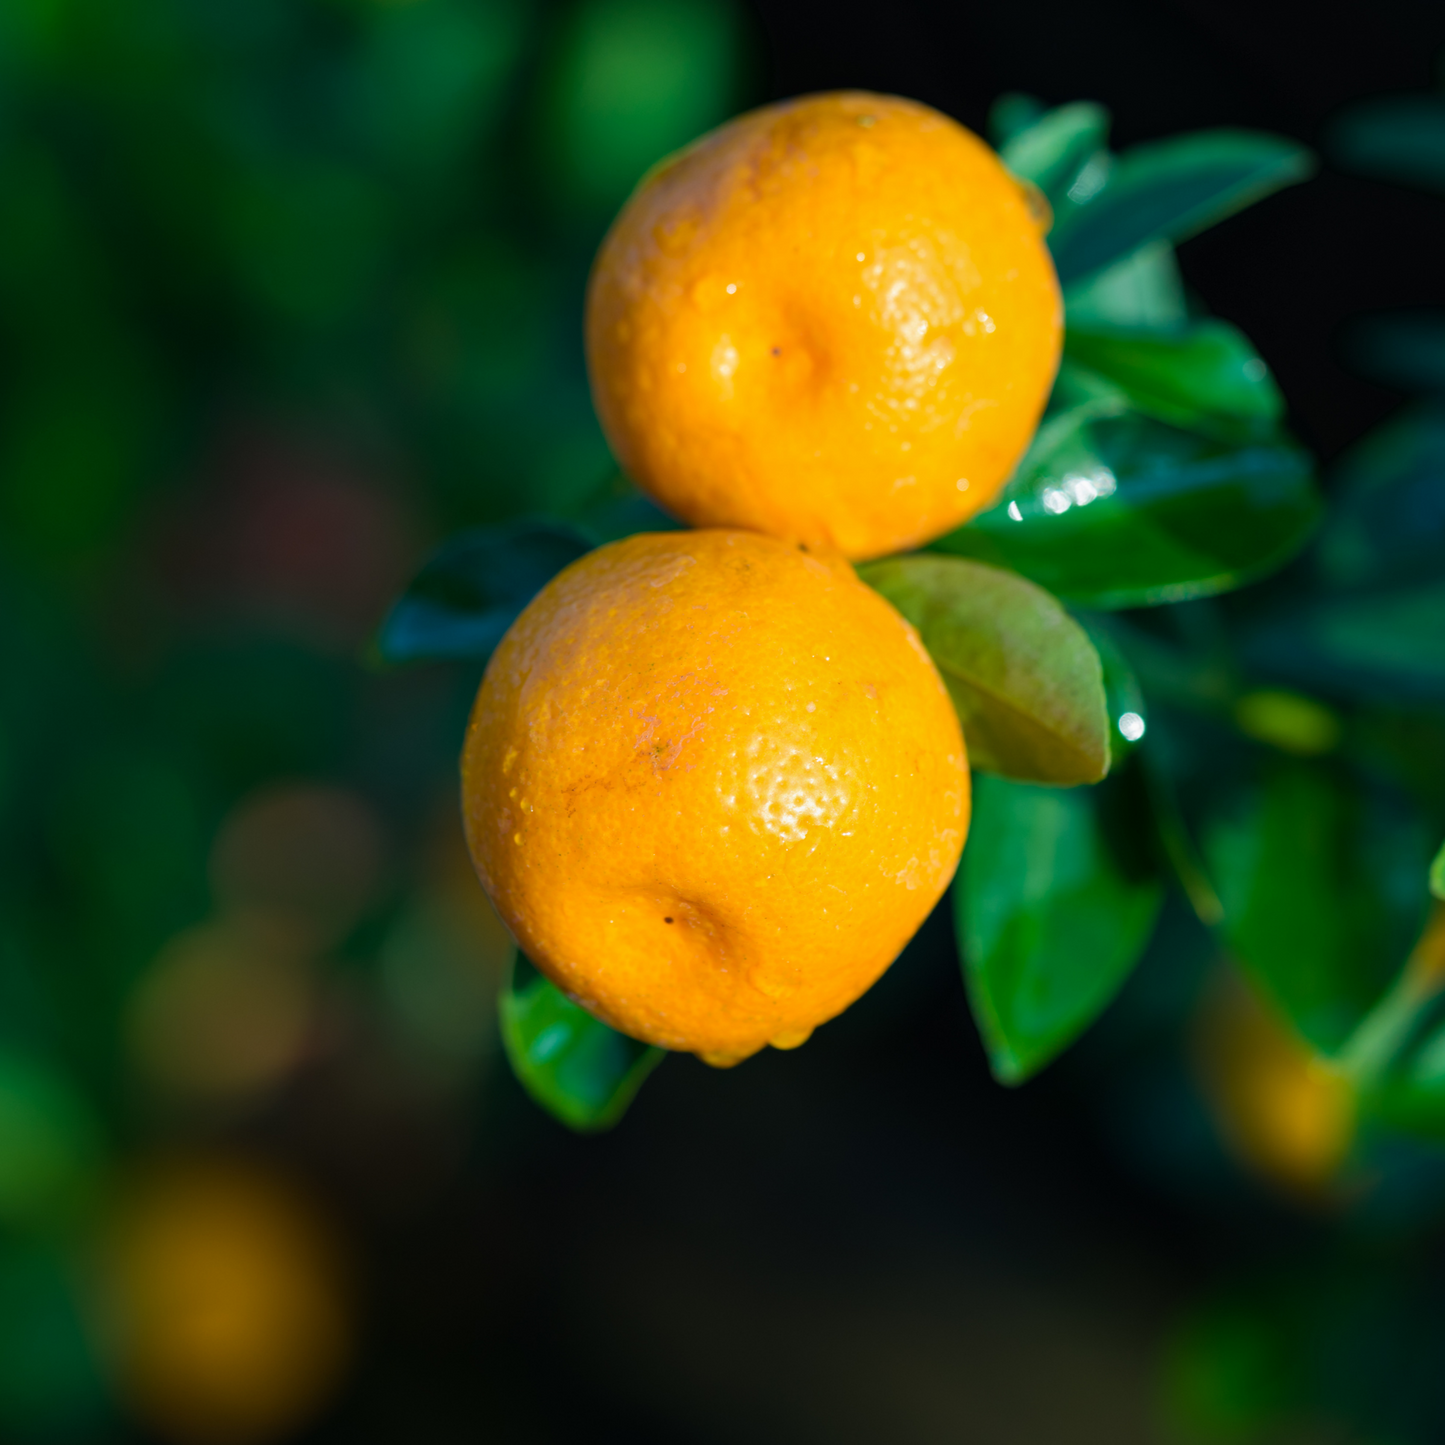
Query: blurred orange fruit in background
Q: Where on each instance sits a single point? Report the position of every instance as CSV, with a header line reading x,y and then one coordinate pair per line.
x,y
713,784
833,320
224,1303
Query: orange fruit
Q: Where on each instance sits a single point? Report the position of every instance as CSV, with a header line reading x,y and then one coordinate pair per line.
x,y
713,784
225,1303
833,320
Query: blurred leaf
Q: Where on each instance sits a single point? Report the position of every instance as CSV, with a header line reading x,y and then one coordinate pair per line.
x,y
1011,113
582,1072
50,1145
1385,643
1171,189
464,600
1401,138
632,81
1405,349
1143,289
1052,150
1055,907
1204,376
1114,511
1387,504
1288,721
1437,874
51,1383
1124,706
1321,893
1022,673
433,75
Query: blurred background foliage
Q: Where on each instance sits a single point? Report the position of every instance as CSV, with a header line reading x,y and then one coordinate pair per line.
x,y
291,289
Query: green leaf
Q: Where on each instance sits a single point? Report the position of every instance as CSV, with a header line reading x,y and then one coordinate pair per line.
x,y
1121,510
1172,189
1022,673
1205,376
1405,349
1011,113
1053,150
1055,905
464,600
1437,874
1321,890
1126,714
1144,288
1401,138
1387,505
582,1072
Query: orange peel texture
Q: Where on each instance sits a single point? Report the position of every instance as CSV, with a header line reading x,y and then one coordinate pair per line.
x,y
833,320
713,784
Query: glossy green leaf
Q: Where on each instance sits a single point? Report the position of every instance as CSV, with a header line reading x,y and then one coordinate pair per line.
x,y
464,600
1126,713
1143,288
1204,376
582,1072
1437,874
1171,189
1055,905
1022,673
1320,883
1121,510
1404,349
1057,146
1401,138
1387,506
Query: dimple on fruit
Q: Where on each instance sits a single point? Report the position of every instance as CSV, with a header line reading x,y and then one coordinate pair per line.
x,y
833,320
713,784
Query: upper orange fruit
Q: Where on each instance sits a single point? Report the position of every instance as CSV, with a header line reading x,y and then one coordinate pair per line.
x,y
713,785
832,320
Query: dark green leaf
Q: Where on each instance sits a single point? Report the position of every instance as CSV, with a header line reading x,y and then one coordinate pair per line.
x,y
1055,905
1144,288
1437,874
1386,643
1022,673
1400,139
1011,113
1387,507
1205,376
1125,710
1405,349
1057,146
582,1072
1115,511
1171,189
1321,890
464,600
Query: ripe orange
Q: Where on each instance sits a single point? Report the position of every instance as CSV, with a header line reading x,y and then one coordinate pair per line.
x,y
833,320
713,784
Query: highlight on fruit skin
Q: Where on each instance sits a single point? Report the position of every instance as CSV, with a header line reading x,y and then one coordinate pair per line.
x,y
1284,1111
713,785
222,1301
834,320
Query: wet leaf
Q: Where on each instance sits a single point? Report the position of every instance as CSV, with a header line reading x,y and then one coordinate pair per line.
x,y
1171,189
1320,883
582,1072
1401,138
1022,673
464,600
1204,376
1057,146
1113,509
1126,713
1055,906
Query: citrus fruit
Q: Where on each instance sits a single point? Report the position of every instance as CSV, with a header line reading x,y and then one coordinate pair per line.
x,y
713,784
225,1302
833,320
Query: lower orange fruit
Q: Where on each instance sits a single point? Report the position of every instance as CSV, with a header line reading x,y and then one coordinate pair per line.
x,y
713,784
